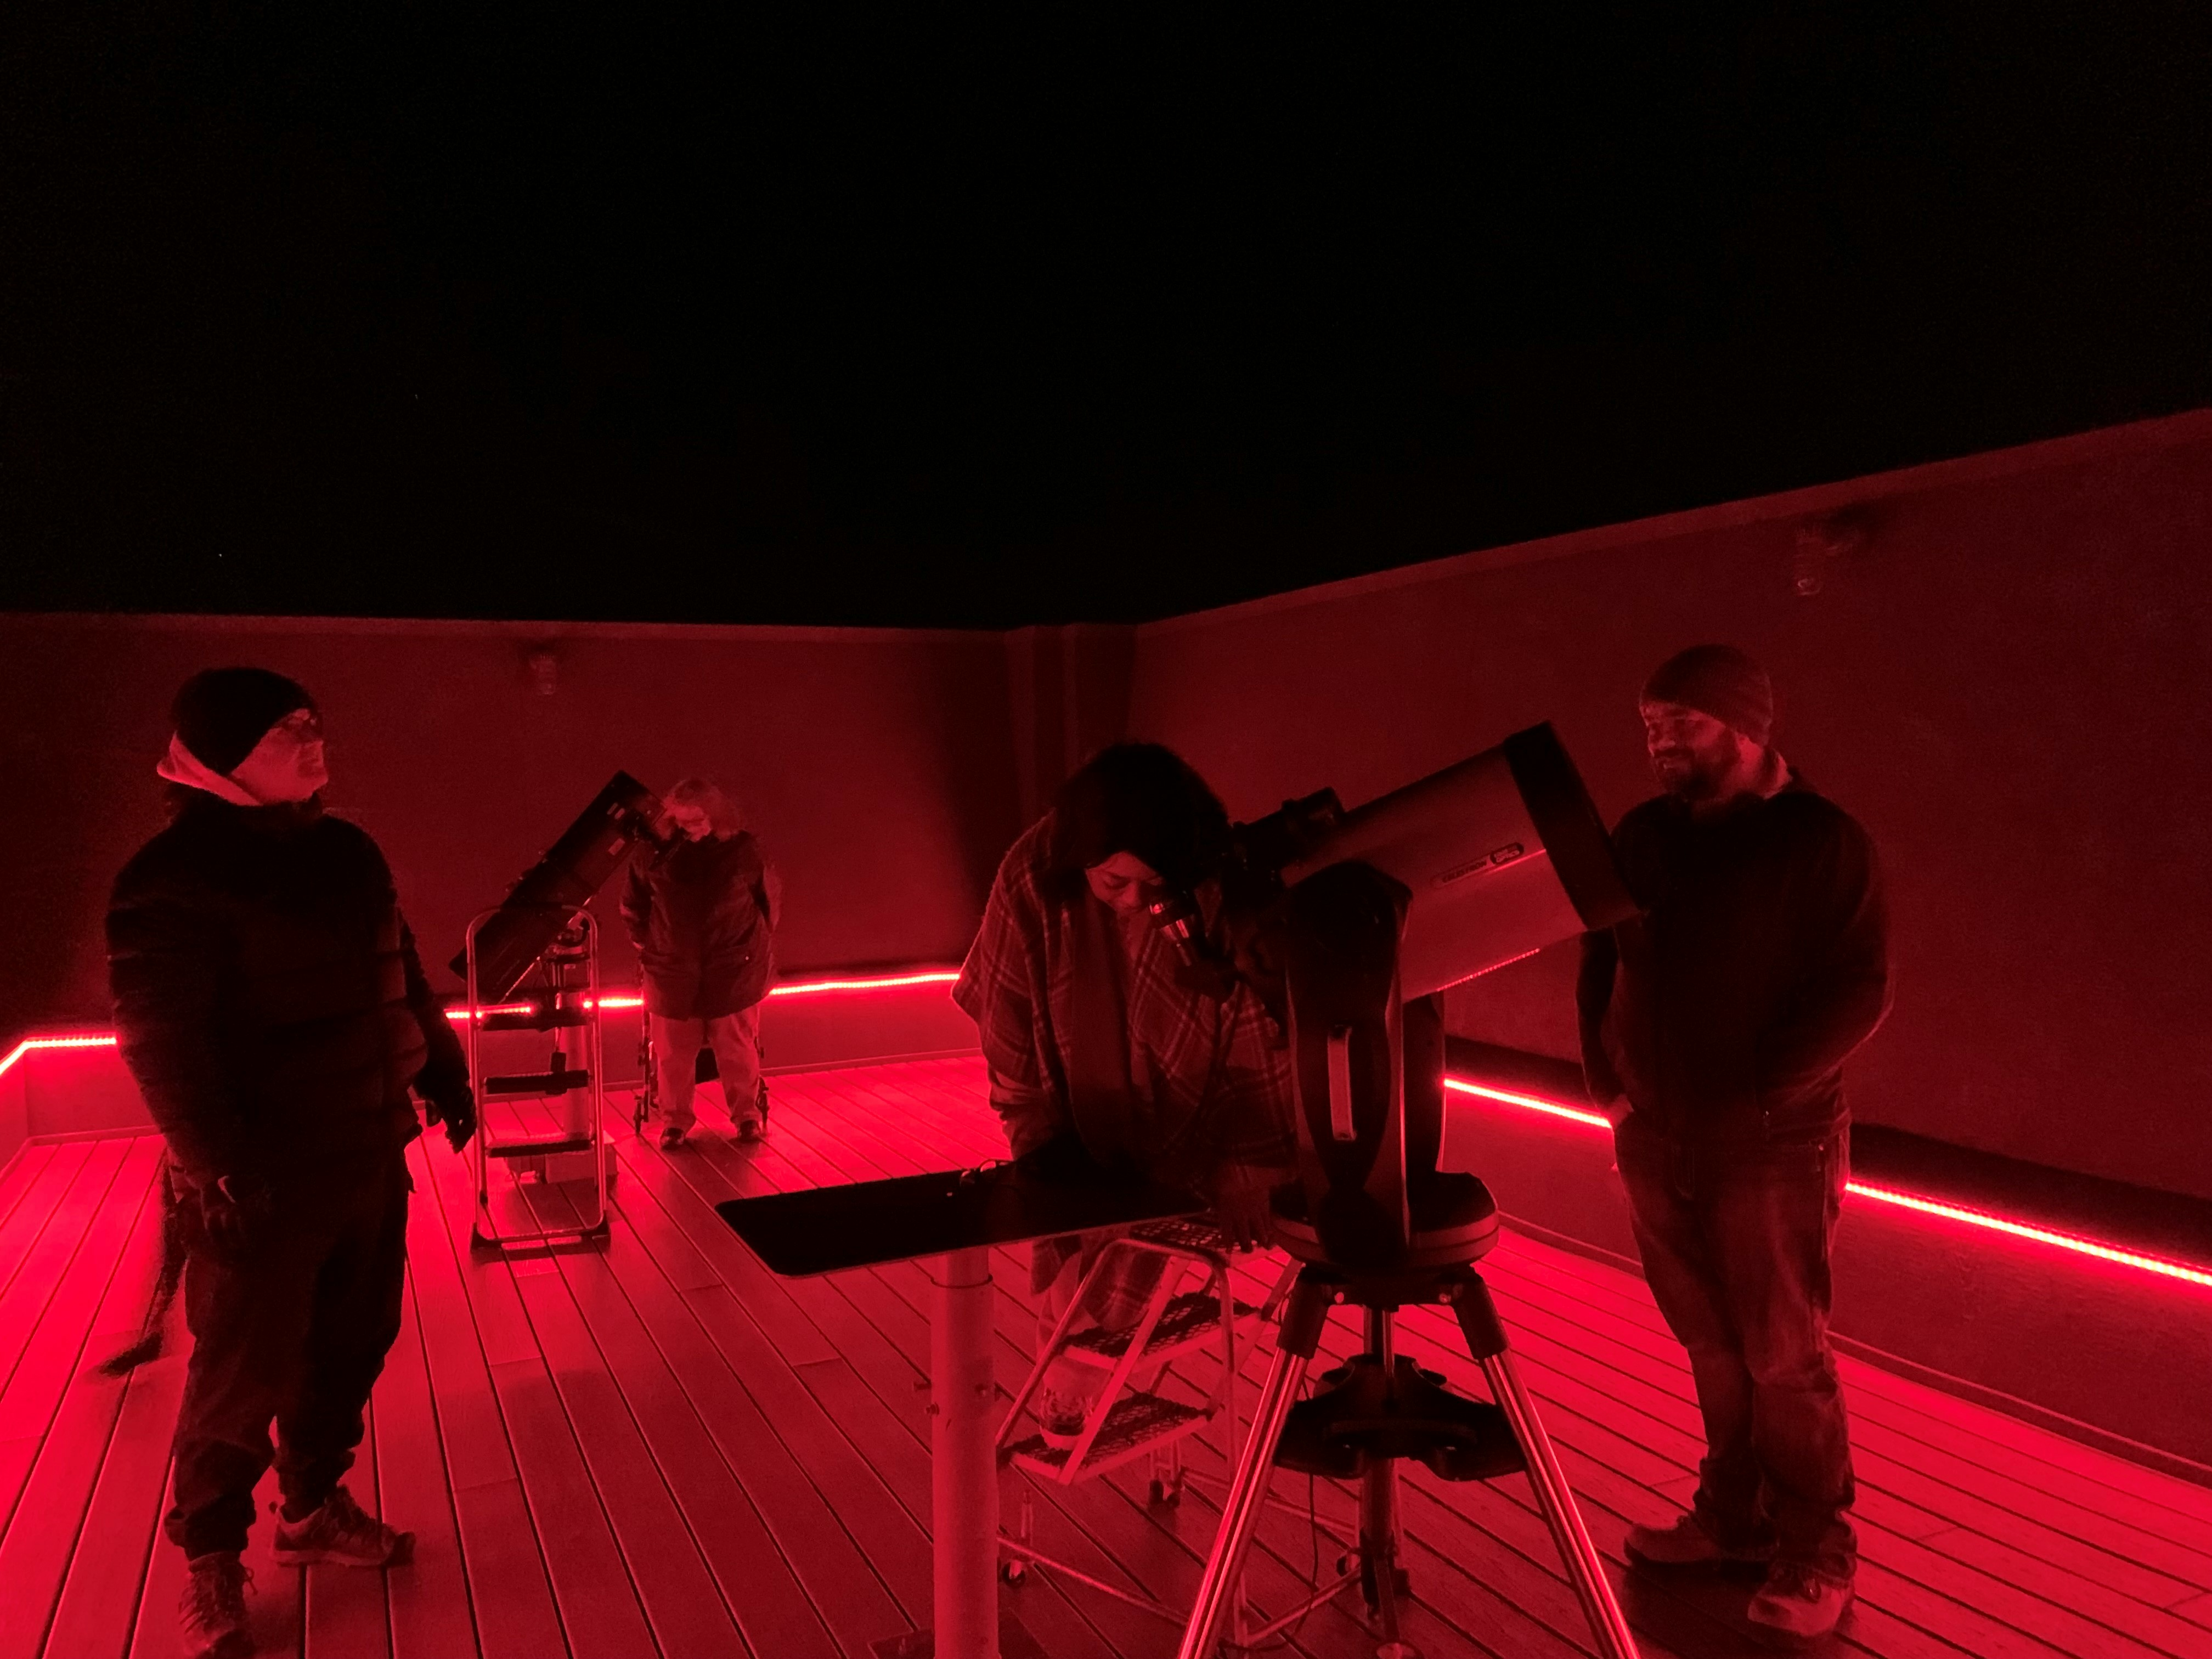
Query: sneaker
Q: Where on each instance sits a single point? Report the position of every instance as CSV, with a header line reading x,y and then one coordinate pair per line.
x,y
671,1136
1061,1419
211,1612
1690,1543
1798,1604
341,1533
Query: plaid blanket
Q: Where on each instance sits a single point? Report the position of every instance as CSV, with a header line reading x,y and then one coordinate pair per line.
x,y
1205,1094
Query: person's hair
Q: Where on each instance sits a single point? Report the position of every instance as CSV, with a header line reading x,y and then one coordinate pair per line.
x,y
1137,798
703,792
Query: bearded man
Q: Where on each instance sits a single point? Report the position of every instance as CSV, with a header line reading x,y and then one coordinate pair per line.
x,y
1715,1026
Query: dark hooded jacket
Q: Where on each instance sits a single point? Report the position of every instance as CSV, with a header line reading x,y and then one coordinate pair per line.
x,y
701,914
268,998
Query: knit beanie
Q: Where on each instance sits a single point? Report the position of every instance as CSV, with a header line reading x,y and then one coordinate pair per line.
x,y
222,713
1717,680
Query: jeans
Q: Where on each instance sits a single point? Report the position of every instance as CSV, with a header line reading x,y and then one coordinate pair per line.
x,y
292,1329
1736,1242
735,1039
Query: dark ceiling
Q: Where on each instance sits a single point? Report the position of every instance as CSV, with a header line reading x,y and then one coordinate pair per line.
x,y
635,313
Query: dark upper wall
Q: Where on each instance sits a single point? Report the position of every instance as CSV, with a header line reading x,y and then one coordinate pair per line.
x,y
2011,686
874,766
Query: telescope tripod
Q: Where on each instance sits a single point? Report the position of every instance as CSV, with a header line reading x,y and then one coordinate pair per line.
x,y
1372,1413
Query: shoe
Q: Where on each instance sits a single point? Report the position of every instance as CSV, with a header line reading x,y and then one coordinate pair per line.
x,y
1061,1419
750,1128
1690,1543
211,1612
1798,1604
671,1136
341,1533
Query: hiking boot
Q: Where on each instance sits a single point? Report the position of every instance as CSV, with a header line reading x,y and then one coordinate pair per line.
x,y
211,1612
1690,1543
1798,1605
340,1534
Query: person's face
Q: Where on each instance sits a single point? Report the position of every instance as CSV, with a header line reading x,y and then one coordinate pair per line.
x,y
1693,754
288,764
692,820
1123,883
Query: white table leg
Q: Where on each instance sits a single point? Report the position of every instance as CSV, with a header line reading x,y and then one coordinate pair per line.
x,y
963,1464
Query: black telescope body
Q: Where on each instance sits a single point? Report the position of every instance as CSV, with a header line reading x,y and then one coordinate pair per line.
x,y
1383,908
536,908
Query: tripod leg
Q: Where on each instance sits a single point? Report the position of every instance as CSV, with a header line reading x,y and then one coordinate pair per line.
x,y
1247,1489
1485,1340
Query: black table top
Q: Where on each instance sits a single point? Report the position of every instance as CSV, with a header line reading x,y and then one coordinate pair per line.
x,y
798,1235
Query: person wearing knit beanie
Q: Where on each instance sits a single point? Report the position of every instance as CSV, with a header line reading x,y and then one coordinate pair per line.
x,y
1709,727
1715,1026
248,736
272,1006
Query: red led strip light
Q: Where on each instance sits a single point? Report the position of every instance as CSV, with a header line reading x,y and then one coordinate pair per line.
x,y
91,1040
1913,1201
803,988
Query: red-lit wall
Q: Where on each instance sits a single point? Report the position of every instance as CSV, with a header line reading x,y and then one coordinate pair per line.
x,y
875,766
2011,686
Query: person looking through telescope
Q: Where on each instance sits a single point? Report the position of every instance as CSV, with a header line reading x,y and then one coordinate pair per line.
x,y
702,910
1715,1025
1102,1051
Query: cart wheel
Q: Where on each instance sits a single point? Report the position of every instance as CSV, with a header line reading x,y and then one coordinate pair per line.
x,y
1013,1570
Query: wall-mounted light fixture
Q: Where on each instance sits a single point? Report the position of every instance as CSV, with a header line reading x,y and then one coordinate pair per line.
x,y
1821,542
544,664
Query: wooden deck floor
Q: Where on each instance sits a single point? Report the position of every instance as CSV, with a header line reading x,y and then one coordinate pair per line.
x,y
661,1449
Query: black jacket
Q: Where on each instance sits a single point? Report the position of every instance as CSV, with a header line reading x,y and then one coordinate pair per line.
x,y
268,998
700,914
1726,1009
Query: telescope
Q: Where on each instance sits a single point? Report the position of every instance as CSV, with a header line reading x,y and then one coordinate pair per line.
x,y
1350,924
538,908
1367,916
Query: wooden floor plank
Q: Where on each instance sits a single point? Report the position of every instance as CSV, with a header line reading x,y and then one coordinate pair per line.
x,y
78,1421
598,1603
761,1446
677,1591
770,1605
426,1602
511,1596
108,1569
841,1583
24,1305
27,1221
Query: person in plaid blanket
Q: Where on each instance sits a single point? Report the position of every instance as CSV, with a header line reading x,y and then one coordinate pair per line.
x,y
1101,1045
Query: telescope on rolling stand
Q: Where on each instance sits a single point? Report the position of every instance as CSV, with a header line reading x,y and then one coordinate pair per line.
x,y
1375,912
541,942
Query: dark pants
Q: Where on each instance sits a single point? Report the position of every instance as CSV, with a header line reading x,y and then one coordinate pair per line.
x,y
293,1330
1735,1244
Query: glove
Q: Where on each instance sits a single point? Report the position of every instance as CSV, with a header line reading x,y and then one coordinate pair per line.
x,y
455,1106
234,1212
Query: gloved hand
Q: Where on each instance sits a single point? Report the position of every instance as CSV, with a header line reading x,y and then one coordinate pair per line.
x,y
455,1106
234,1213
